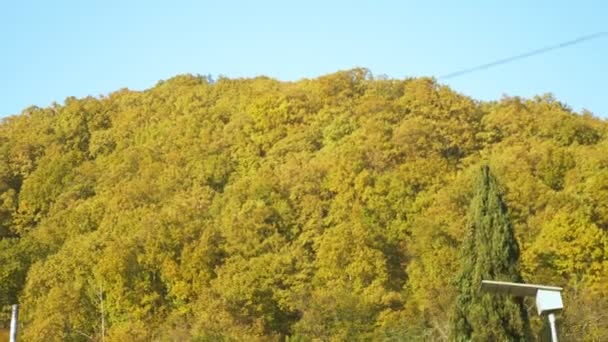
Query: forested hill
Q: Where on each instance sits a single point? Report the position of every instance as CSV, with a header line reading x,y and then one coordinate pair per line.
x,y
254,209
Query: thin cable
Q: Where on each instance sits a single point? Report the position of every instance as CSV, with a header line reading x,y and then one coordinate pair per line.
x,y
524,55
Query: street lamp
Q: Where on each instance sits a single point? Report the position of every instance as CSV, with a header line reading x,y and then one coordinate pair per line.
x,y
548,298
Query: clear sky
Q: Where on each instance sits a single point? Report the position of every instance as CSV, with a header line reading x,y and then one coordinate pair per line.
x,y
53,49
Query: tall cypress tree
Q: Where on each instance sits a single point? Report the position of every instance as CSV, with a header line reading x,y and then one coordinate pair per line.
x,y
489,251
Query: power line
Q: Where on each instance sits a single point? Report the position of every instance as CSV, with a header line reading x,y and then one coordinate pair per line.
x,y
524,55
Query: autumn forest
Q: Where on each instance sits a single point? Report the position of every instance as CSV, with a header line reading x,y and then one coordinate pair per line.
x,y
327,209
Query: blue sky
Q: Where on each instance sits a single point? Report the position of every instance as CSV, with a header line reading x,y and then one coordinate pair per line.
x,y
54,49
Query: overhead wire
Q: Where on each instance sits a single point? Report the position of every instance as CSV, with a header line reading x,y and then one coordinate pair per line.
x,y
524,55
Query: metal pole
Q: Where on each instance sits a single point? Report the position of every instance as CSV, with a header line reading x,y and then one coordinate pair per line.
x,y
14,318
553,329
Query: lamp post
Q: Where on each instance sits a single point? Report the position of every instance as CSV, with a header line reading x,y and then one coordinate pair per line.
x,y
14,319
548,298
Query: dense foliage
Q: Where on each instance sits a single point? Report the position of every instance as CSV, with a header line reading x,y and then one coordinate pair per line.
x,y
489,251
253,209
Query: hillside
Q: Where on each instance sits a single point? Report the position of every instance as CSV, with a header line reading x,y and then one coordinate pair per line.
x,y
254,209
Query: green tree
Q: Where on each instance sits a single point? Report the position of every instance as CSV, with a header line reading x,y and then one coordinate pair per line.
x,y
489,251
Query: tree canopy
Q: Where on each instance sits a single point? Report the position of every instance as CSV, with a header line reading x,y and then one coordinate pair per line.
x,y
326,209
489,252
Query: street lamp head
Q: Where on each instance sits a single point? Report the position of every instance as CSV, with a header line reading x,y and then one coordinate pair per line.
x,y
516,289
548,298
548,301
